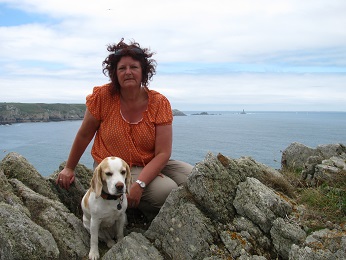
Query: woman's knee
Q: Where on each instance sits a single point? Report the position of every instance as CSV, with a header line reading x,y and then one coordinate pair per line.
x,y
158,190
178,171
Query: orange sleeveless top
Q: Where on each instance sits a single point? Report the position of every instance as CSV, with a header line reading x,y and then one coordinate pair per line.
x,y
134,143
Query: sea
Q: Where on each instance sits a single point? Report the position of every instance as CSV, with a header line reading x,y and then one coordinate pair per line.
x,y
260,135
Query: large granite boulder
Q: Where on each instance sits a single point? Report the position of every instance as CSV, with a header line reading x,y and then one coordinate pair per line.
x,y
317,165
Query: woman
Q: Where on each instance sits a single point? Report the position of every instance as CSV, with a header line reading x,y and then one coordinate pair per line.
x,y
133,123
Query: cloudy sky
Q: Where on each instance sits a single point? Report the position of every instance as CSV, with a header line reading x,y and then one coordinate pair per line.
x,y
283,55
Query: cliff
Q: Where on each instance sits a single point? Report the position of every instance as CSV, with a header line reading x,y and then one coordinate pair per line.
x,y
228,209
11,113
39,112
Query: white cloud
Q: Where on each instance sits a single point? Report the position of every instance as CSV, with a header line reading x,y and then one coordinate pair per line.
x,y
60,60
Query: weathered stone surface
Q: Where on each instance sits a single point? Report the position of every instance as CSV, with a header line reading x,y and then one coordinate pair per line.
x,y
133,246
181,230
295,156
322,244
229,209
71,198
214,181
260,204
17,167
68,231
285,234
21,238
7,196
317,166
330,150
213,187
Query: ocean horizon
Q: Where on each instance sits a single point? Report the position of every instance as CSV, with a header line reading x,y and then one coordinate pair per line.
x,y
262,135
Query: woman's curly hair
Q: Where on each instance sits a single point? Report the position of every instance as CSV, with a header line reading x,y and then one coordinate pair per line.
x,y
117,51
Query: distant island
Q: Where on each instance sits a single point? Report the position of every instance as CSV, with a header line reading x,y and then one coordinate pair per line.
x,y
11,113
203,114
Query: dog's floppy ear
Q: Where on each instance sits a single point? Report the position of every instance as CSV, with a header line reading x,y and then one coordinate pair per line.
x,y
96,181
128,179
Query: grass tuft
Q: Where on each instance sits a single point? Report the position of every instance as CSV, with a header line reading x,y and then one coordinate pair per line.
x,y
325,203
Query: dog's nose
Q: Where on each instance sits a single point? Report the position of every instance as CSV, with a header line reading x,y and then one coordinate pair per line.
x,y
119,186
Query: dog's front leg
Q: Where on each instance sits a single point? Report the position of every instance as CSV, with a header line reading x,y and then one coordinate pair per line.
x,y
120,227
94,239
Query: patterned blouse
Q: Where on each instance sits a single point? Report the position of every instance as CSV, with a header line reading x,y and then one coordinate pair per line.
x,y
133,142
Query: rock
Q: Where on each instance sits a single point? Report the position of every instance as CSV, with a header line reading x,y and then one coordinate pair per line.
x,y
21,238
180,229
259,204
324,244
228,209
213,186
7,195
177,112
284,235
330,150
295,156
30,194
17,167
133,246
71,198
68,231
323,164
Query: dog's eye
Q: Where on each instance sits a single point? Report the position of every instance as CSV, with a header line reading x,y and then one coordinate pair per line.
x,y
123,172
109,174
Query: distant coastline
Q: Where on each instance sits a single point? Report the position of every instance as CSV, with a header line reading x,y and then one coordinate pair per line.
x,y
11,113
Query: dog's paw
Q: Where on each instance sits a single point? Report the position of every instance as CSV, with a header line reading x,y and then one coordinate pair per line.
x,y
94,255
110,243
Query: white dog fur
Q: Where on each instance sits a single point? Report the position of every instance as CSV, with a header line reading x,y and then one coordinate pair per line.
x,y
104,204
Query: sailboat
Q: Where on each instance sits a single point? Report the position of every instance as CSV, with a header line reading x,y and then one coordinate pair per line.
x,y
243,112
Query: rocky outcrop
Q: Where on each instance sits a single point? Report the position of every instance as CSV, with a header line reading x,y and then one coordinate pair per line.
x,y
177,112
316,165
228,209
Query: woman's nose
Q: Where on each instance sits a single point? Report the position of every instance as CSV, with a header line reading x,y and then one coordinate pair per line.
x,y
128,70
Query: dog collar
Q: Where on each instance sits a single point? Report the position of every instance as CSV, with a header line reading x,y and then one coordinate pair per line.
x,y
107,196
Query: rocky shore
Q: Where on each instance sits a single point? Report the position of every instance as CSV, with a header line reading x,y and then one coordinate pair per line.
x,y
228,209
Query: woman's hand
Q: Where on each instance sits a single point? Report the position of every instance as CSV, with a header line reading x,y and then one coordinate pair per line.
x,y
65,178
135,195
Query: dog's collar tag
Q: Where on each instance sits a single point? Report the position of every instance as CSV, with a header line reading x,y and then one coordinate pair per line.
x,y
119,207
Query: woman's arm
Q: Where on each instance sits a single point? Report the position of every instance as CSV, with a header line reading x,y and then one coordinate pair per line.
x,y
83,137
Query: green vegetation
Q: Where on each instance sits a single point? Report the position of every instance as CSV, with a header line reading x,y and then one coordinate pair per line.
x,y
324,203
32,108
40,112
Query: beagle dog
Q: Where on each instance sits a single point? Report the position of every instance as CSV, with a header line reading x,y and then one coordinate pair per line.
x,y
104,204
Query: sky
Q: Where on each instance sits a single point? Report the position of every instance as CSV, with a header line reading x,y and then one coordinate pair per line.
x,y
263,55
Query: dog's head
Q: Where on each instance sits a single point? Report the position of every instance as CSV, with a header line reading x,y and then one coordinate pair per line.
x,y
113,176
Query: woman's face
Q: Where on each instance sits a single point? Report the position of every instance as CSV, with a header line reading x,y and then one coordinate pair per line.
x,y
129,72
